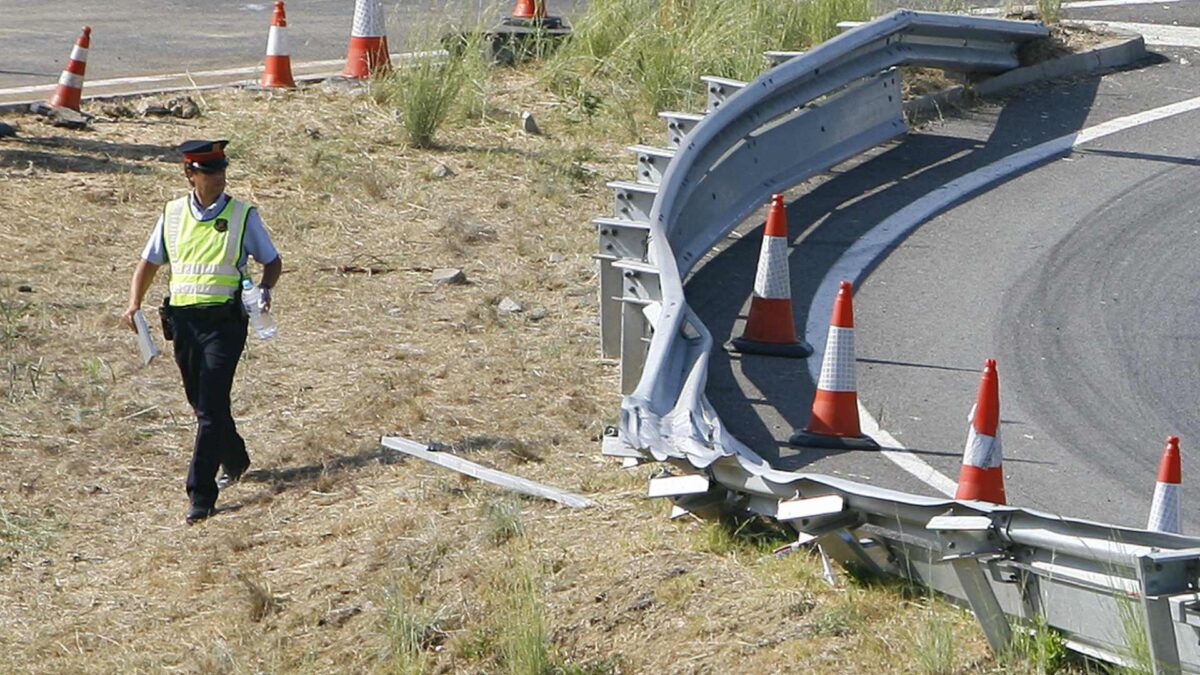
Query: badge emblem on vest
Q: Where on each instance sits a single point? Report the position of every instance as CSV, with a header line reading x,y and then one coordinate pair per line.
x,y
221,225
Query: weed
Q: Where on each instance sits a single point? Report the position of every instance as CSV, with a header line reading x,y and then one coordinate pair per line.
x,y
838,620
933,646
1137,641
13,322
1037,644
411,629
654,52
424,89
749,535
504,521
521,635
260,602
25,533
1050,11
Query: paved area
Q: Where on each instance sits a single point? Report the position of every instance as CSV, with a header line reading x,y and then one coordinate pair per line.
x,y
1074,275
151,37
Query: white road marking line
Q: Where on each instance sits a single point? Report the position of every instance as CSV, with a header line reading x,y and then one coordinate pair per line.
x,y
1154,34
244,70
873,245
149,79
1083,4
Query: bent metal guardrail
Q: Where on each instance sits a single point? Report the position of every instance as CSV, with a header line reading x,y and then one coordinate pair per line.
x,y
1102,586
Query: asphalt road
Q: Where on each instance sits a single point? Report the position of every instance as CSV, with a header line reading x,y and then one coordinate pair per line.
x,y
1077,276
138,37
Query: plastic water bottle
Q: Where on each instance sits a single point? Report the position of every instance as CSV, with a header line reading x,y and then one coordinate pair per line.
x,y
262,322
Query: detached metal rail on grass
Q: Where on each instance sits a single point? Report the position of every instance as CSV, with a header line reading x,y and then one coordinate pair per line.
x,y
1101,586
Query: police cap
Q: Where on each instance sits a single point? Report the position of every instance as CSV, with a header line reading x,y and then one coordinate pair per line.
x,y
204,155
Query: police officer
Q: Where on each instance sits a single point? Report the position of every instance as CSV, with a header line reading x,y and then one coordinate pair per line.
x,y
207,237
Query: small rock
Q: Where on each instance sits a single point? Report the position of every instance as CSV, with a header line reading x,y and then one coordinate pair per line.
x,y
557,257
92,489
183,107
339,616
7,130
117,110
449,276
509,306
1184,62
396,311
442,171
537,314
529,125
312,132
69,119
24,288
41,108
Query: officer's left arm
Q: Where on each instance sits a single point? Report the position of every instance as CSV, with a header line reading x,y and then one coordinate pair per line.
x,y
270,277
258,244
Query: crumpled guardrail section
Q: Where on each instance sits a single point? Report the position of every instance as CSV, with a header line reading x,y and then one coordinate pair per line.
x,y
798,119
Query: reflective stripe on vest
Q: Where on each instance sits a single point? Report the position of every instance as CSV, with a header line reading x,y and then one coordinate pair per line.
x,y
203,258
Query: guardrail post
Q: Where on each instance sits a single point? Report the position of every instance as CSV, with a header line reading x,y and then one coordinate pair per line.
x,y
968,539
640,299
619,240
679,125
719,89
983,602
1161,575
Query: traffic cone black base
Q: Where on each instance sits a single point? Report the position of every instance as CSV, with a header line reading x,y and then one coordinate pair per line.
x,y
796,350
803,438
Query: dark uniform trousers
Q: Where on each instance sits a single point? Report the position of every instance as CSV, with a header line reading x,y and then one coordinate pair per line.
x,y
208,344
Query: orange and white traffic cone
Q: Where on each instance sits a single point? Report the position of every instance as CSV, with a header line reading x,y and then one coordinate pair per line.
x,y
70,83
530,9
982,473
1165,511
277,70
770,328
368,51
834,420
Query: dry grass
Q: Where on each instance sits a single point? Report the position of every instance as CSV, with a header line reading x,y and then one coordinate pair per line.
x,y
340,557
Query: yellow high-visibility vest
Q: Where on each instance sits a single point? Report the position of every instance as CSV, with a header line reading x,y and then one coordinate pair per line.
x,y
204,253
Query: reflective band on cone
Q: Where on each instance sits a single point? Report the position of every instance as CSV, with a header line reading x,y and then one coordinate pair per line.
x,y
70,83
1166,511
834,419
368,51
982,473
277,70
770,328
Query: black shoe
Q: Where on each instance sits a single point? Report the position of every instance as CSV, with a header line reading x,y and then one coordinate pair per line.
x,y
199,513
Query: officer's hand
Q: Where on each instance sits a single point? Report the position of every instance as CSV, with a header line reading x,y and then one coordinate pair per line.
x,y
127,317
265,299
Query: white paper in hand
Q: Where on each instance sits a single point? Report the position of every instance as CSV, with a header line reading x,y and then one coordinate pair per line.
x,y
144,338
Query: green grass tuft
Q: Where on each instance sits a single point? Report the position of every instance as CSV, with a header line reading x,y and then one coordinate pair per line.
x,y
652,53
521,635
933,646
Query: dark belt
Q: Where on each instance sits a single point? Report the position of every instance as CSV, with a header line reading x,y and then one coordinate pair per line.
x,y
228,310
